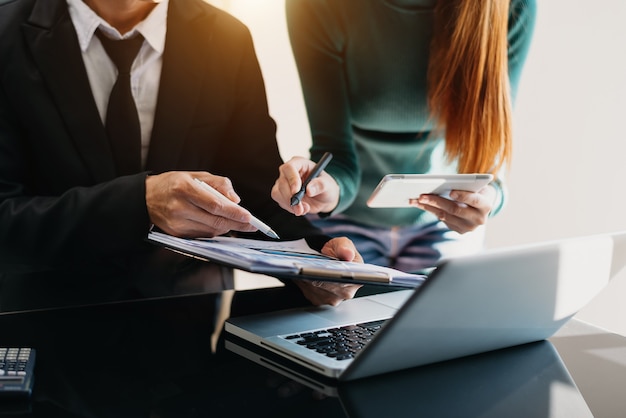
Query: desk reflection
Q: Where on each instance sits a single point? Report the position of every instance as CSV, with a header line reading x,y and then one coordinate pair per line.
x,y
155,274
150,358
154,358
523,381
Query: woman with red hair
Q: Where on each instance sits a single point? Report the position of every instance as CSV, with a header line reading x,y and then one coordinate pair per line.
x,y
406,86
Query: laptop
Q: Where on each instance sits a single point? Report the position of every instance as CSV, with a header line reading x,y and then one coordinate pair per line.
x,y
472,304
528,380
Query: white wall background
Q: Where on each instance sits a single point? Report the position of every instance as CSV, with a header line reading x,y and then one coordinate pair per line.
x,y
570,145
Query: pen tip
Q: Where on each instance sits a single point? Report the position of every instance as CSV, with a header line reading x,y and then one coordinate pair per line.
x,y
273,234
294,201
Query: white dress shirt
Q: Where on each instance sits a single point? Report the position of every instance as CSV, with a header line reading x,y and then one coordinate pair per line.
x,y
145,71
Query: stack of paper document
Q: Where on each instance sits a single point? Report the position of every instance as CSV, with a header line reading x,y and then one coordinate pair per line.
x,y
284,259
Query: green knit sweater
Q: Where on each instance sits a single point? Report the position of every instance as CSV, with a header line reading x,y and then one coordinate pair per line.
x,y
362,65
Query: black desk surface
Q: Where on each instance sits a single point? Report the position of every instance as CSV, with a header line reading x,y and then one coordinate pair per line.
x,y
154,358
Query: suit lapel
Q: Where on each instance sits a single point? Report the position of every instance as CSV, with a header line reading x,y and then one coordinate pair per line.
x,y
53,42
184,66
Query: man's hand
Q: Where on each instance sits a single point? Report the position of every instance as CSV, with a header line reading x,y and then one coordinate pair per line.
x,y
179,206
329,293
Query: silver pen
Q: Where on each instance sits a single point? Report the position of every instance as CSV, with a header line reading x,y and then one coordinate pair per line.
x,y
254,221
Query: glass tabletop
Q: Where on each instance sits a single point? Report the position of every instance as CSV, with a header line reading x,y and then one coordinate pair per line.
x,y
167,357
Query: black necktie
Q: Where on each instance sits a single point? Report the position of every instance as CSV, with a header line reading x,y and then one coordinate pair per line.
x,y
122,121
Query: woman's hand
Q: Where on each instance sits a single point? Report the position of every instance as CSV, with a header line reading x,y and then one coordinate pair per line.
x,y
322,193
463,211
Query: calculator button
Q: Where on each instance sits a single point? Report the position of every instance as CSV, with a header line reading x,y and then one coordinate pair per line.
x,y
16,372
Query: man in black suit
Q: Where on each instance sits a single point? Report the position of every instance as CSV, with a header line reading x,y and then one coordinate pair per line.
x,y
200,99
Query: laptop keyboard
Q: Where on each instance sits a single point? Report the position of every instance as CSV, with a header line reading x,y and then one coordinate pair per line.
x,y
340,343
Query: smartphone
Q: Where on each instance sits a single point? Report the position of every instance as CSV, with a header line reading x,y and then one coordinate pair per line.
x,y
396,190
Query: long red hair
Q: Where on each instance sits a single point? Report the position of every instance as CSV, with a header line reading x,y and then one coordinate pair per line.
x,y
469,92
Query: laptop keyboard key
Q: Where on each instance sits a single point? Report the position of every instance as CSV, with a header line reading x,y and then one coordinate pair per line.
x,y
341,343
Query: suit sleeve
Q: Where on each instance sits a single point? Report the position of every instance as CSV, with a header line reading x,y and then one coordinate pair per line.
x,y
42,230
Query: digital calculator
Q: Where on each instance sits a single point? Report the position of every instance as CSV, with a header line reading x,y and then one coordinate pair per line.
x,y
16,372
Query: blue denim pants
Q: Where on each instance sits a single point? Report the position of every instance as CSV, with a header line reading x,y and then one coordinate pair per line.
x,y
411,249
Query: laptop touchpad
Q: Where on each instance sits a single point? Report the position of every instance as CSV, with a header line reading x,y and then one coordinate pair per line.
x,y
355,311
392,299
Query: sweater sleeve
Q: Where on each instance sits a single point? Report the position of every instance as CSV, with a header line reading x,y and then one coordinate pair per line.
x,y
522,15
316,40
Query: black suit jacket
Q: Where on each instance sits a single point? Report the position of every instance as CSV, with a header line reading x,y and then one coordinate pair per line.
x,y
61,203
